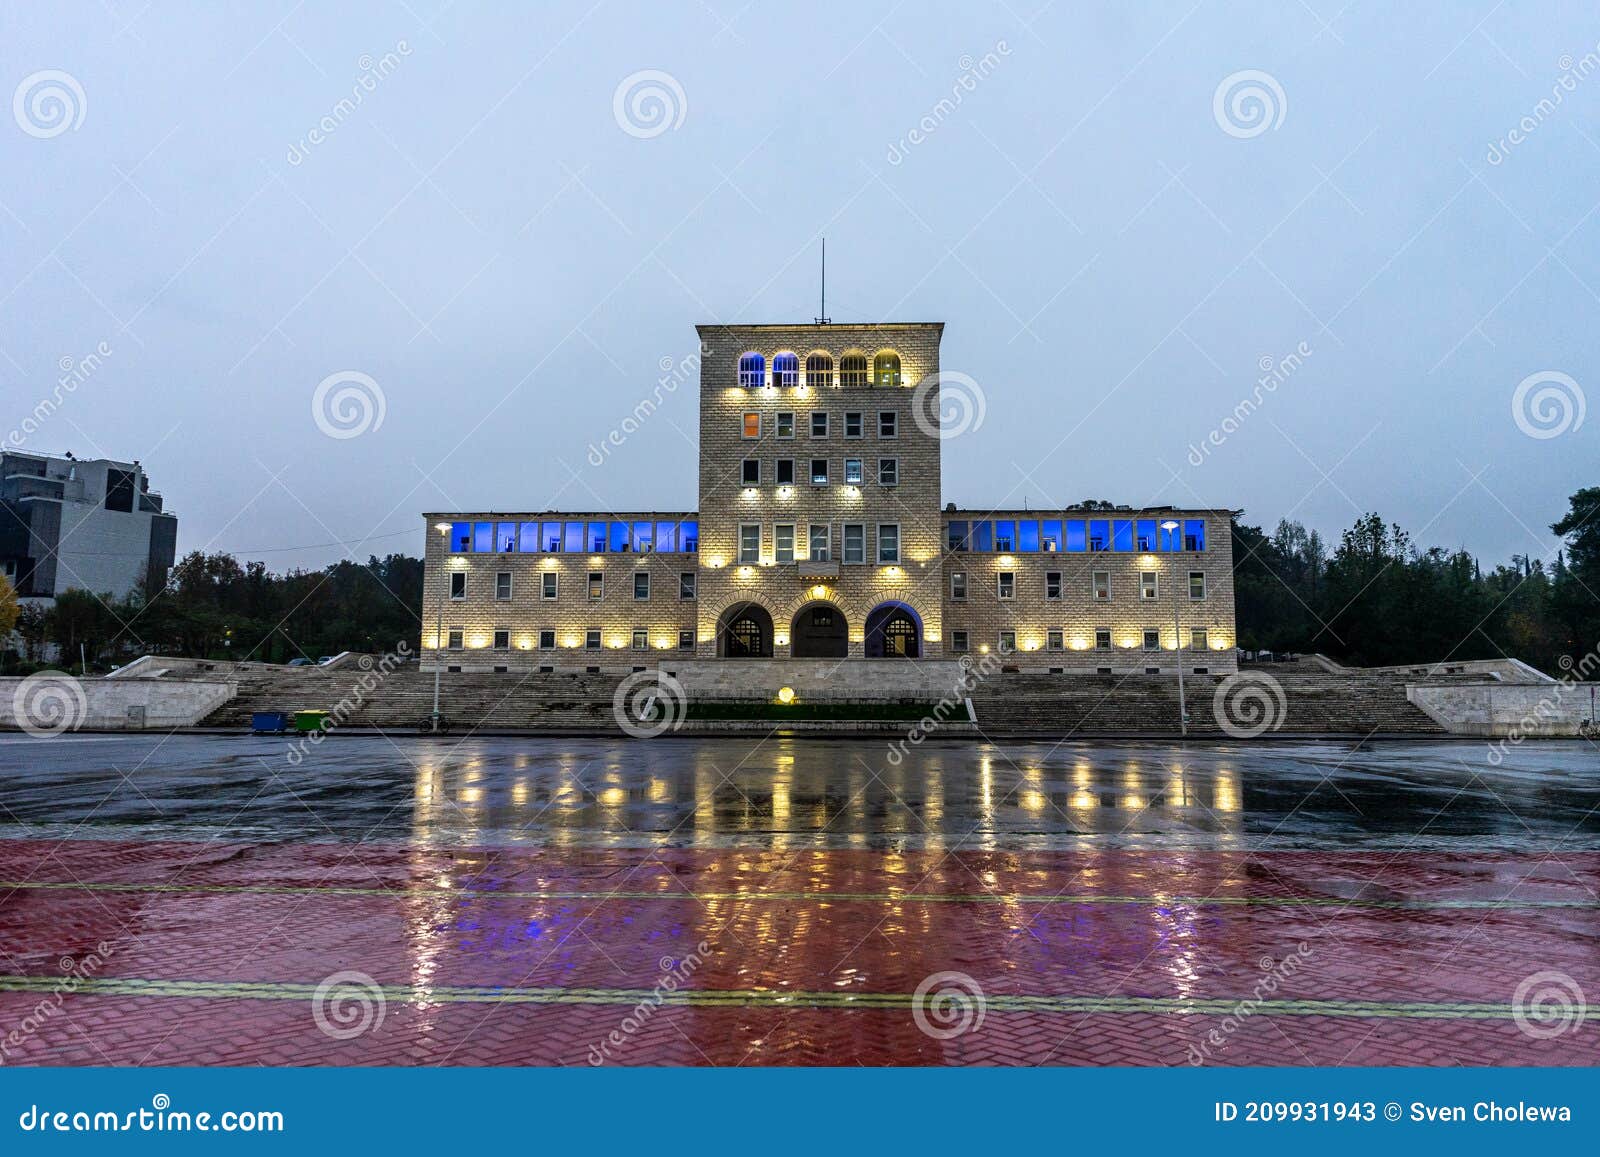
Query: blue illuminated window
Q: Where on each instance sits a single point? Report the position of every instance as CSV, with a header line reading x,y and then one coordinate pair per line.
x,y
505,537
1169,538
664,536
1121,534
1028,535
641,537
1075,537
597,537
1099,534
1194,534
619,536
1146,528
528,537
550,538
786,371
572,538
956,535
1050,536
688,536
982,536
1005,535
752,371
460,537
483,537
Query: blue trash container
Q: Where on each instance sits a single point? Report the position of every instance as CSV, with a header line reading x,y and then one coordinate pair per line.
x,y
269,722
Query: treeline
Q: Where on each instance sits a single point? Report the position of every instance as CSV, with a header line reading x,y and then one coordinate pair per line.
x,y
218,608
1376,598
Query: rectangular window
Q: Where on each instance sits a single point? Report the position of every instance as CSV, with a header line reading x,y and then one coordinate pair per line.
x,y
1028,535
1152,640
1197,585
1148,586
547,640
641,584
453,640
1102,586
750,473
749,542
688,537
819,471
591,640
888,472
688,583
1052,641
785,424
1121,534
643,541
819,423
666,532
1197,638
619,536
482,537
983,536
597,537
505,537
958,586
1075,538
888,423
958,642
502,640
821,542
461,537
1052,584
550,536
1194,534
458,584
1008,642
685,640
852,471
1102,640
888,542
1050,535
1099,534
1145,535
783,542
785,476
1005,535
641,640
547,584
597,585
855,542
852,425
752,425
1006,586
955,535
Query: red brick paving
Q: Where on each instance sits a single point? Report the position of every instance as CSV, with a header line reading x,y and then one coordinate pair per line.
x,y
423,930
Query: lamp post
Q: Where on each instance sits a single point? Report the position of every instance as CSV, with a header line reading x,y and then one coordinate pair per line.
x,y
1170,526
438,627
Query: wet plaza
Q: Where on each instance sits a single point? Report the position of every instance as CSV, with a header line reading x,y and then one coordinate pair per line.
x,y
372,900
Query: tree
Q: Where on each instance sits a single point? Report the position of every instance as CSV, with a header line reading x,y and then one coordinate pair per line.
x,y
9,610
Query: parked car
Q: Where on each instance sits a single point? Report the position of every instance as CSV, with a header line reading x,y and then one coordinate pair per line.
x,y
322,659
300,663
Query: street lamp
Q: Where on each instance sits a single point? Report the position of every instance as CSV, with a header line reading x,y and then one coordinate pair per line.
x,y
1171,525
438,627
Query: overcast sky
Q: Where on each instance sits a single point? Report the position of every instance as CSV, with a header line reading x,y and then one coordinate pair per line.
x,y
509,246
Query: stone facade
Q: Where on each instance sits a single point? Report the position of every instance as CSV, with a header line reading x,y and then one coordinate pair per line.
x,y
820,535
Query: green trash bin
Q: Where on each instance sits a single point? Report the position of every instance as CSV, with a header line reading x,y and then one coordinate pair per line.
x,y
310,720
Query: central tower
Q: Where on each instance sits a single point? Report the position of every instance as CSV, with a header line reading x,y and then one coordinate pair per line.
x,y
820,527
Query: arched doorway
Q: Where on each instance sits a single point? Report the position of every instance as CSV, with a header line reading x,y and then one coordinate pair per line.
x,y
745,632
893,632
819,632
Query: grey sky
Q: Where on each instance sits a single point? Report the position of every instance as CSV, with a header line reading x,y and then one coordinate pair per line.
x,y
483,238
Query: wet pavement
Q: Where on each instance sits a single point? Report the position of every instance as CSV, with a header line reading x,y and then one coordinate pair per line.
x,y
203,899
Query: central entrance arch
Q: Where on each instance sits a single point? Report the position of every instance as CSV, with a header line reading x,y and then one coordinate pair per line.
x,y
894,631
819,631
745,632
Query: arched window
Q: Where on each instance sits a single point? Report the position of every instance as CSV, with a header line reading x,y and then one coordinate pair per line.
x,y
853,370
786,371
886,369
819,370
752,371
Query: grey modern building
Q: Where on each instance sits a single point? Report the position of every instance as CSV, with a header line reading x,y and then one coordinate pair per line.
x,y
81,524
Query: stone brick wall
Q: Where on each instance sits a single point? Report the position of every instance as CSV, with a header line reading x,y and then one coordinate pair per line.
x,y
726,503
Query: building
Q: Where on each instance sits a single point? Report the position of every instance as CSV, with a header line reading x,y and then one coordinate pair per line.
x,y
76,524
821,533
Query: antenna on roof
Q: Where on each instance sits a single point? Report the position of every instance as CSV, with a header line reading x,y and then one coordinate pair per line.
x,y
824,319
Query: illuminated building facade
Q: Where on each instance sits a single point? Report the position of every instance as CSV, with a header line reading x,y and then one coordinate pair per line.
x,y
820,534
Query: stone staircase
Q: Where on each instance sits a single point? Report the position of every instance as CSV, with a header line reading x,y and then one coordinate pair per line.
x,y
1313,701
